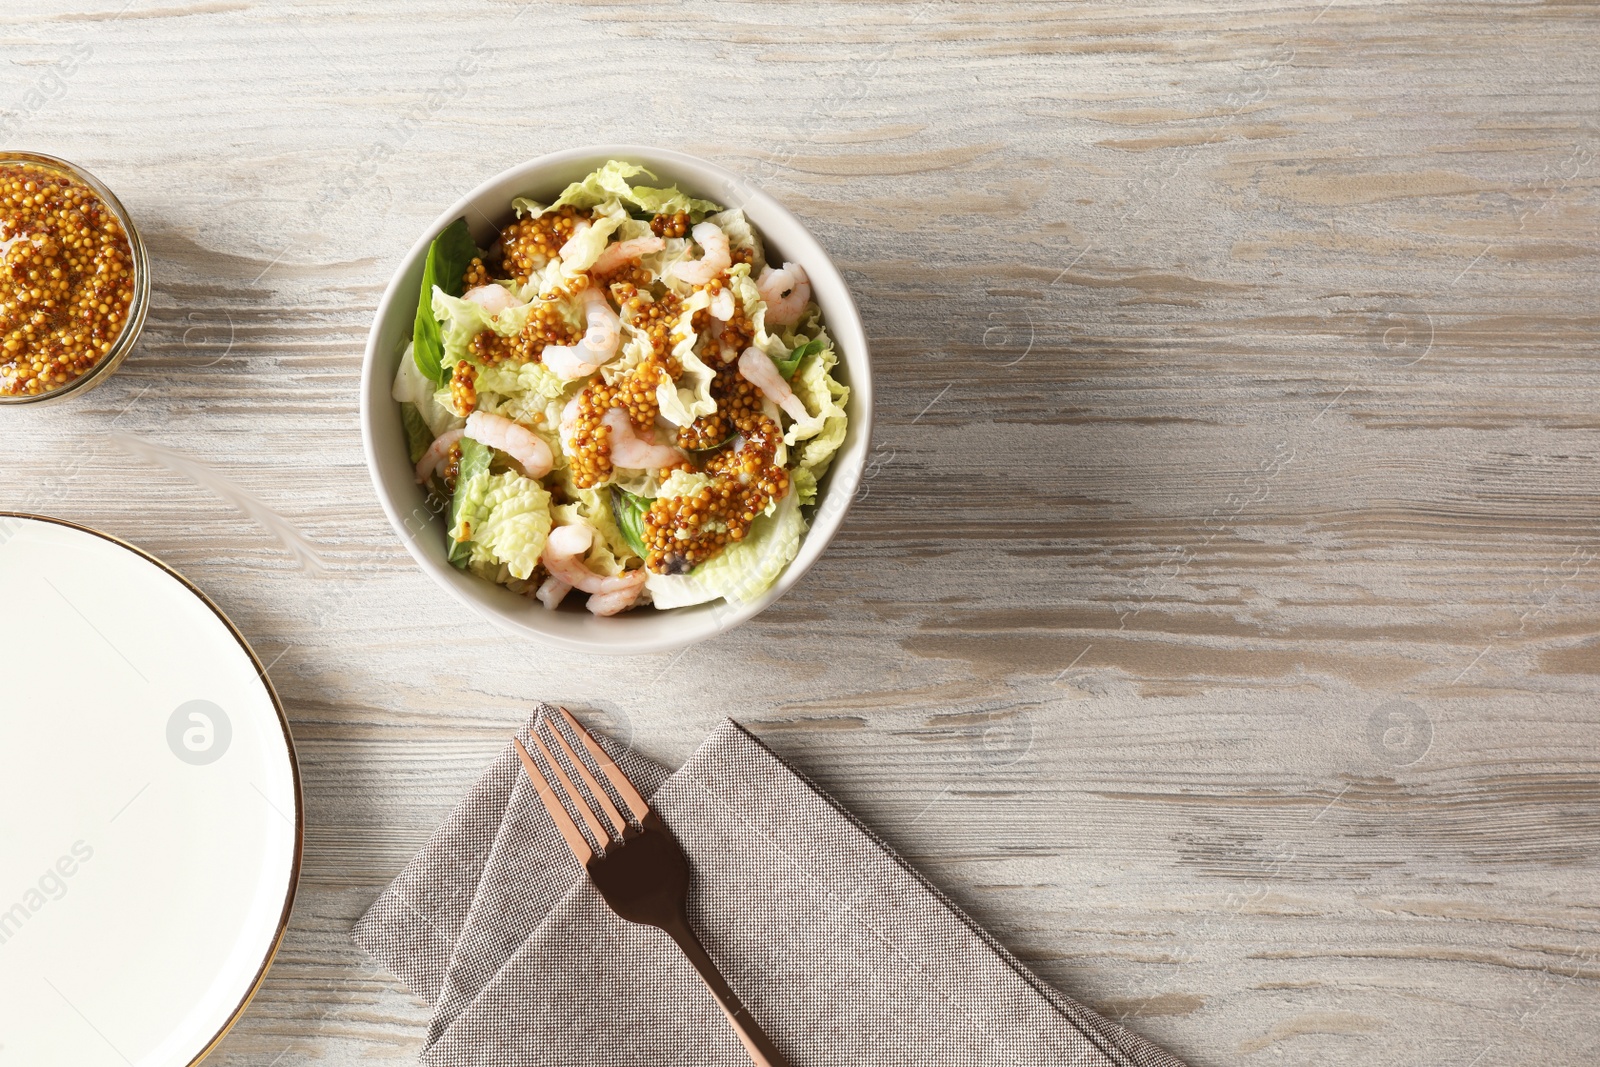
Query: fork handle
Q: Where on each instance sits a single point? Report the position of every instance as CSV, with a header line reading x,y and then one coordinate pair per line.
x,y
755,1041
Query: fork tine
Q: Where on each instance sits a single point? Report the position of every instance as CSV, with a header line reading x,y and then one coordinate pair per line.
x,y
569,829
564,784
630,796
618,823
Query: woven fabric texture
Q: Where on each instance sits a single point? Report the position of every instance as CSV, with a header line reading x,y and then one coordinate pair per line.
x,y
841,951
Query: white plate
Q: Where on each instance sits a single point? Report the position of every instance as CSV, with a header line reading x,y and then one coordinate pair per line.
x,y
151,808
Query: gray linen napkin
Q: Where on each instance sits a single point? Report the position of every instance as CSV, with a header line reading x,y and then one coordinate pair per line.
x,y
842,952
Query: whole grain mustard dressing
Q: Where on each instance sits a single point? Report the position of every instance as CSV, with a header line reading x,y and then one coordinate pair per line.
x,y
679,533
66,279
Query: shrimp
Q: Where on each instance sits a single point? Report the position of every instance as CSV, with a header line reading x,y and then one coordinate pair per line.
x,y
618,599
786,292
757,368
512,438
492,298
563,558
716,256
598,346
429,463
630,450
551,592
722,305
622,252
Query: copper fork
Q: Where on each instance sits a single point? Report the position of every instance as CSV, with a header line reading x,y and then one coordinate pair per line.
x,y
640,871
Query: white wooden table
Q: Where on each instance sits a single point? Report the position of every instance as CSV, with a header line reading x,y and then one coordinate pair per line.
x,y
1219,623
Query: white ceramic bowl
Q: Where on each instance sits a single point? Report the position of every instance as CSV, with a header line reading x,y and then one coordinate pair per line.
x,y
647,629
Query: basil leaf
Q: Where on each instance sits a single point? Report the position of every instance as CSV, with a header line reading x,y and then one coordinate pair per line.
x,y
787,367
448,258
475,456
418,436
630,511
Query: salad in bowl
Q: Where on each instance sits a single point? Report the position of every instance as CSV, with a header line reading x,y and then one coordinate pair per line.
x,y
620,399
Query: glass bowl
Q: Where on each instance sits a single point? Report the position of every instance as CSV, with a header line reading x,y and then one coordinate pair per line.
x,y
137,308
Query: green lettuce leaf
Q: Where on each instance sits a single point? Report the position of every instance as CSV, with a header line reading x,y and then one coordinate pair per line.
x,y
644,483
594,507
504,517
410,387
579,254
418,436
683,401
609,553
636,348
741,235
670,201
688,398
683,483
673,250
610,182
632,228
528,393
824,398
804,480
755,309
475,458
448,258
743,570
521,380
461,320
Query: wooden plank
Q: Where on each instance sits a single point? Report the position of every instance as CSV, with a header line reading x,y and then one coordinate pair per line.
x,y
1231,530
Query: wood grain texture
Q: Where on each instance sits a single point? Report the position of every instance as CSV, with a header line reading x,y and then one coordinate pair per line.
x,y
1219,621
